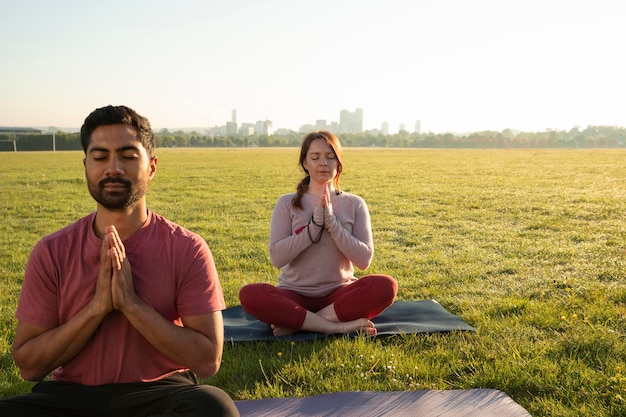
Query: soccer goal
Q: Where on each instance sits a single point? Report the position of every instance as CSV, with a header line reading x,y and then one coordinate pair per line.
x,y
29,142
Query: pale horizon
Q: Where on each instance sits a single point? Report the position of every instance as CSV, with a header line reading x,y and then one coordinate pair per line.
x,y
455,66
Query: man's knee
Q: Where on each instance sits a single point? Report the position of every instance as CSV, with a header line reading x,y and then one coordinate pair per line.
x,y
200,401
220,403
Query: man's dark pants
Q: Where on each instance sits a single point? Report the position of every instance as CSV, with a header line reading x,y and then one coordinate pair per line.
x,y
177,396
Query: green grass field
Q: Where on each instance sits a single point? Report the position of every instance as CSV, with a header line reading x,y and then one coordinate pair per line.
x,y
525,245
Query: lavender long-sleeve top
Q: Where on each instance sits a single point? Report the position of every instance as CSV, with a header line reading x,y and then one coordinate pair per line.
x,y
317,269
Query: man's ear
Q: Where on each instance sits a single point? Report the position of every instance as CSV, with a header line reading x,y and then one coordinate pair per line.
x,y
153,164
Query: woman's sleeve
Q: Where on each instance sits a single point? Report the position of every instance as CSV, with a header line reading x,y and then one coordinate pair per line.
x,y
285,243
357,246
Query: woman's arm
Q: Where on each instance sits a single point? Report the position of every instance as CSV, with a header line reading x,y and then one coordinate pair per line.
x,y
285,243
357,246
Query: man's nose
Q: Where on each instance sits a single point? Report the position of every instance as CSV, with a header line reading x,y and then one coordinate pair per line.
x,y
114,167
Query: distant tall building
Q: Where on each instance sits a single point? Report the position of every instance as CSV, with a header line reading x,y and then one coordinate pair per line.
x,y
351,122
401,127
385,128
418,126
264,127
320,124
231,129
246,129
344,116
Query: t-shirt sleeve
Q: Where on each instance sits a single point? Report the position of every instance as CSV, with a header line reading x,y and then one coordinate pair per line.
x,y
39,296
199,291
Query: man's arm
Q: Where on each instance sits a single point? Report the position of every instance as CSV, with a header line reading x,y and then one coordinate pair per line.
x,y
38,351
198,345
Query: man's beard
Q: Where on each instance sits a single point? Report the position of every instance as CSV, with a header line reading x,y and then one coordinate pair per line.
x,y
118,200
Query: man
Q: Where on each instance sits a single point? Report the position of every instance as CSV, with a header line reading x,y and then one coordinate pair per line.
x,y
123,307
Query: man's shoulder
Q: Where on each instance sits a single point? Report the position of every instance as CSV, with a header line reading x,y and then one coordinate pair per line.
x,y
71,230
173,228
71,239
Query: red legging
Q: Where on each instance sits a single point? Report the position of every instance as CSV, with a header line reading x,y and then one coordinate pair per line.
x,y
364,298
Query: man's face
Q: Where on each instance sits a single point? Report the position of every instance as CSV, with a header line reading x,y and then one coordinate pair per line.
x,y
117,167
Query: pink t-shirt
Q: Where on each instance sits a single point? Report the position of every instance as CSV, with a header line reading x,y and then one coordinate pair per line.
x,y
173,271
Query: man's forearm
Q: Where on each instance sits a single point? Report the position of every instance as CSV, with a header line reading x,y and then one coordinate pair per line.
x,y
197,346
38,351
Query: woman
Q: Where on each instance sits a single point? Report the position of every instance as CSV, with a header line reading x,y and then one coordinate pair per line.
x,y
316,235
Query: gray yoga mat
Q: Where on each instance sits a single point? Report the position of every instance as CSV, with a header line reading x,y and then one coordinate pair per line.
x,y
402,317
422,403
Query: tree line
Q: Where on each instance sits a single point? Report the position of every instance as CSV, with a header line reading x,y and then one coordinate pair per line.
x,y
590,137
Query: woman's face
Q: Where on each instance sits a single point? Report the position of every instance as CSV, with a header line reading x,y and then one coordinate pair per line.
x,y
321,162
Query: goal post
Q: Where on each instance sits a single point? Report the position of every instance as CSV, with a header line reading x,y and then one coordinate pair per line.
x,y
29,142
8,145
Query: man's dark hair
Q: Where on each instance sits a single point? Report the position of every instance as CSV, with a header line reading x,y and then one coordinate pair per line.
x,y
118,115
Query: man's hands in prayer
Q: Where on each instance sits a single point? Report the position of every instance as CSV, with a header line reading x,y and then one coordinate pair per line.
x,y
115,288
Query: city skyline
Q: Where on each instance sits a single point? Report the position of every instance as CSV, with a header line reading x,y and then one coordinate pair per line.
x,y
349,122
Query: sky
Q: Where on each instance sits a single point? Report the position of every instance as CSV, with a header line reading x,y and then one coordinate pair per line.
x,y
454,65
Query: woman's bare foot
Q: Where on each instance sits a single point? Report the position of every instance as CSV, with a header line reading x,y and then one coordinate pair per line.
x,y
282,331
317,323
359,325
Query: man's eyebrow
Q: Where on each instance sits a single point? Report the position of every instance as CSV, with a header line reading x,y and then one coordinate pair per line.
x,y
122,149
128,148
98,150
